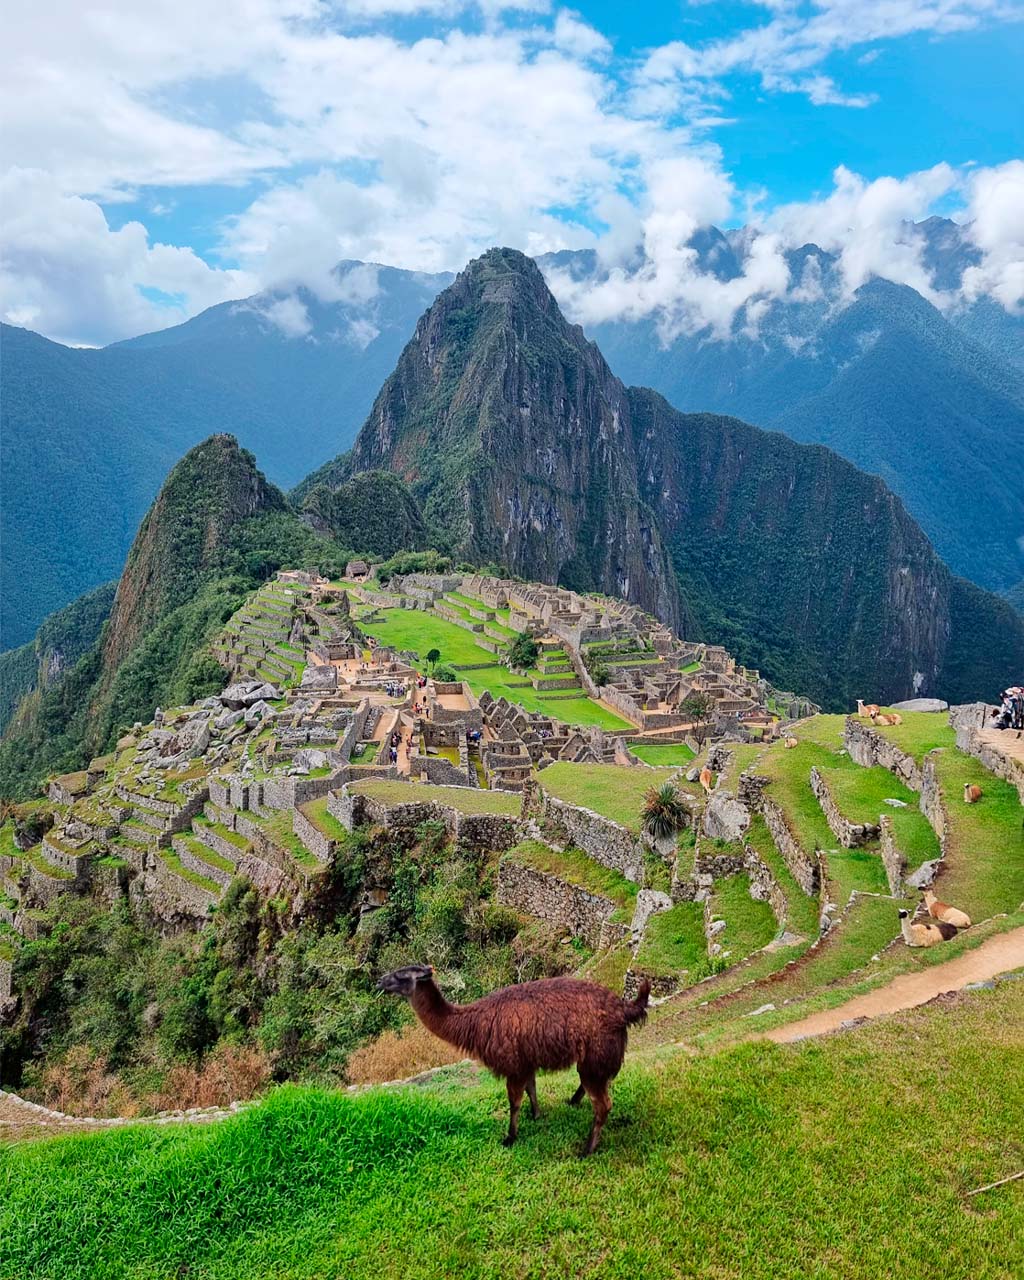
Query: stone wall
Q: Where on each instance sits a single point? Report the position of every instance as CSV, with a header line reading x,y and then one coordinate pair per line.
x,y
601,839
479,830
851,835
322,847
804,867
6,979
931,801
868,747
893,860
536,893
968,720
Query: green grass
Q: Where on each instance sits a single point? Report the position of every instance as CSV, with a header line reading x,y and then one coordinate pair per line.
x,y
232,837
920,732
983,872
614,791
673,940
763,1162
178,867
575,867
205,854
750,925
417,631
465,799
326,823
668,753
803,911
279,827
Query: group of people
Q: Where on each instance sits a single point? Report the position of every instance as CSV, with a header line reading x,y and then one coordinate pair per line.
x,y
394,689
1010,712
394,744
473,736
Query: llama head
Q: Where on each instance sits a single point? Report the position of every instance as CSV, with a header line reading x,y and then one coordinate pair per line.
x,y
403,982
904,913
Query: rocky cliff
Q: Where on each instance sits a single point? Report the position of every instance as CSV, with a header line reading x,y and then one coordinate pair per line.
x,y
512,432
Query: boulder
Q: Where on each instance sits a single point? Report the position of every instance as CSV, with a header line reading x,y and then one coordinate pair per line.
x,y
921,704
923,876
258,711
245,693
725,818
191,740
227,718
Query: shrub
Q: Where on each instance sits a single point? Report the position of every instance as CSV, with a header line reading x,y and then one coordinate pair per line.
x,y
522,652
664,812
396,1055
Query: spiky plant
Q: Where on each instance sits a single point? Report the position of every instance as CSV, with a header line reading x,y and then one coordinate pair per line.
x,y
664,812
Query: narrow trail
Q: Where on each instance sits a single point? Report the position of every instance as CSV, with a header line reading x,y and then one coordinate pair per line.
x,y
998,954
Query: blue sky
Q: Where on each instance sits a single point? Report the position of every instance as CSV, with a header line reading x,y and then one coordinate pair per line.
x,y
160,158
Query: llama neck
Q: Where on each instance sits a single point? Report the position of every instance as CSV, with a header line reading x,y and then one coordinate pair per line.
x,y
437,1015
908,935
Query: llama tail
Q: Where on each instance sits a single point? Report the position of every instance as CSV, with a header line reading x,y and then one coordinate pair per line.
x,y
636,1010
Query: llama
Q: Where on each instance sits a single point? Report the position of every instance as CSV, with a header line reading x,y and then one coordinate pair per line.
x,y
534,1026
972,793
944,912
924,934
887,717
791,742
869,709
707,779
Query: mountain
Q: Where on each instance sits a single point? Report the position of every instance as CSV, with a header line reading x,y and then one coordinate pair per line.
x,y
512,432
58,644
216,530
931,402
86,436
523,448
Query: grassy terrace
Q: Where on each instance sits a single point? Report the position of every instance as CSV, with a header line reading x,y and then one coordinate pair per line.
x,y
278,827
766,1162
576,868
983,872
802,911
465,799
205,854
920,732
326,823
416,631
674,940
750,925
614,791
171,859
669,753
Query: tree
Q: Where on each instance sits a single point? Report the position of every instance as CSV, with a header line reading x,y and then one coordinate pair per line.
x,y
600,674
522,652
699,709
433,656
664,812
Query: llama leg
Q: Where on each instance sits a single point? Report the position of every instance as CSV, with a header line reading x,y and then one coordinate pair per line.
x,y
515,1101
577,1097
602,1103
531,1093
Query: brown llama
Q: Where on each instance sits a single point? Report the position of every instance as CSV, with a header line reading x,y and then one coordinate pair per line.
x,y
534,1026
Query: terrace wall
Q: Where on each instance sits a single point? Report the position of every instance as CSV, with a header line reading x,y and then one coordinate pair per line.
x,y
480,830
893,860
868,747
851,835
536,893
607,842
804,867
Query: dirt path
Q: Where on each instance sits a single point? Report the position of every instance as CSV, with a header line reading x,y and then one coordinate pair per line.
x,y
997,954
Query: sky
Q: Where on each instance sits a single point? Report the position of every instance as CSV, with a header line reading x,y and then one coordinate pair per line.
x,y
158,158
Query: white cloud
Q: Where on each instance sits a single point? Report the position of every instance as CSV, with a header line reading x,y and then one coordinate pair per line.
x,y
513,123
996,213
288,313
64,272
783,51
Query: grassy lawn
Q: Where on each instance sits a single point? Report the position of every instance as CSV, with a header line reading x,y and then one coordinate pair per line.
x,y
279,827
574,866
983,872
667,753
178,867
614,791
750,925
415,631
465,799
419,632
674,940
861,795
779,1162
